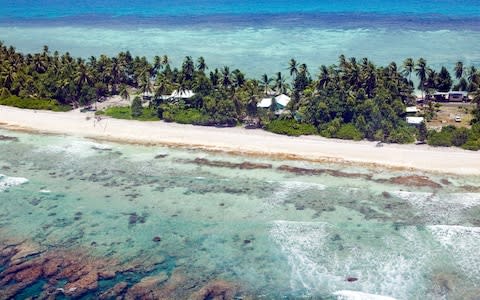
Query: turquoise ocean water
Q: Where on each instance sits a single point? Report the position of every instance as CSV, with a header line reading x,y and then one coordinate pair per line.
x,y
277,234
255,36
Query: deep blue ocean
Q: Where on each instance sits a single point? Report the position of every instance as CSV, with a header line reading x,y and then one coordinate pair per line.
x,y
255,36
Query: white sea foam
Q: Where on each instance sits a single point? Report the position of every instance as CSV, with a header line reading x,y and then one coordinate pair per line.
x,y
8,182
386,267
445,207
301,242
462,243
423,200
45,191
286,188
354,295
76,148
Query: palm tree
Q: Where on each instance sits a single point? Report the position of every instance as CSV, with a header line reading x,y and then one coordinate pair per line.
x,y
226,77
188,68
476,99
165,60
408,67
8,75
472,74
421,71
303,69
459,70
123,92
145,84
157,64
162,86
265,83
293,67
280,84
201,65
83,76
343,64
115,74
238,78
473,79
323,78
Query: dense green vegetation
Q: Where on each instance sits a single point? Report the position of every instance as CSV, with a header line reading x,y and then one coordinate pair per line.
x,y
349,100
290,127
33,103
461,137
147,114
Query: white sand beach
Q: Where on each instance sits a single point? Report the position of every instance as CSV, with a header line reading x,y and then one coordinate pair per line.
x,y
243,141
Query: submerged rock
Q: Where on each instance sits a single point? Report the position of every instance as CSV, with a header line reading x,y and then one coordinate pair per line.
x,y
412,180
114,292
27,264
216,290
386,195
84,284
8,138
231,165
146,288
331,172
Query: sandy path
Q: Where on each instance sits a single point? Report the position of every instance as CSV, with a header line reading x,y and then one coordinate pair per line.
x,y
239,140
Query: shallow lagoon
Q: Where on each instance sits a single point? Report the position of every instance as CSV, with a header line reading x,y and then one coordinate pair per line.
x,y
272,232
255,36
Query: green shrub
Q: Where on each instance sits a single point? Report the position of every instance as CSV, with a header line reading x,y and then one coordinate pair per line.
x,y
459,136
136,108
401,135
290,127
473,145
187,116
124,112
349,132
439,139
34,103
331,128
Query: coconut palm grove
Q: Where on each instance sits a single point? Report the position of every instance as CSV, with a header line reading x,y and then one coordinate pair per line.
x,y
353,99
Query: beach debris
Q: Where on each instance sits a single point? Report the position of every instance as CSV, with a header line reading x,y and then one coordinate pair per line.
x,y
351,279
156,239
158,156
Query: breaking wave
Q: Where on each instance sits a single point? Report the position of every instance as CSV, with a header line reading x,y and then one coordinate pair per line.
x,y
8,182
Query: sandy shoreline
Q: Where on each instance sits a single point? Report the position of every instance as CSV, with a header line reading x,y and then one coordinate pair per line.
x,y
242,141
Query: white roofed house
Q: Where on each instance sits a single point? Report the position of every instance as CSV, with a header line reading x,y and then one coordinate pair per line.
x,y
177,95
415,120
411,118
411,110
281,102
185,94
147,96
